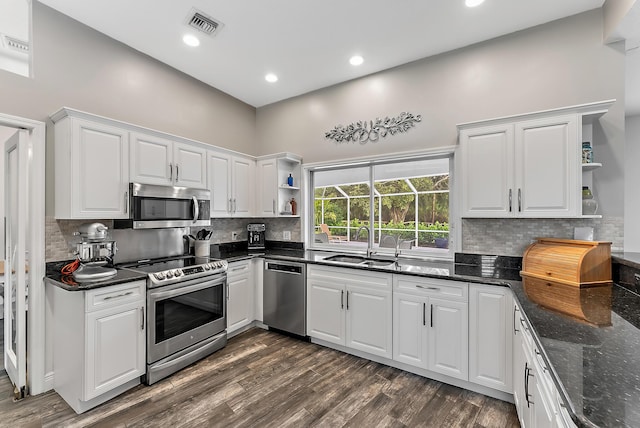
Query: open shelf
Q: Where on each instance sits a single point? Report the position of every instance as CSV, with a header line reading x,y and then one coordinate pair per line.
x,y
590,166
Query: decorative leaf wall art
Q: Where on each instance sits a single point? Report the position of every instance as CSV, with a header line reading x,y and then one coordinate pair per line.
x,y
364,131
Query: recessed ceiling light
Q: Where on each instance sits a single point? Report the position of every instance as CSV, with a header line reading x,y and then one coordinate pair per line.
x,y
473,3
356,60
191,40
271,78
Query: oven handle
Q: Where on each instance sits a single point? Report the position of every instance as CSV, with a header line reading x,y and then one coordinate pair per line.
x,y
196,209
178,289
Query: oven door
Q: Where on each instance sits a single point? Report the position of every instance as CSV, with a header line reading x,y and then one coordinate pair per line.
x,y
182,314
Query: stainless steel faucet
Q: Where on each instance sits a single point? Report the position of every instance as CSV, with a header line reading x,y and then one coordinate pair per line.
x,y
360,230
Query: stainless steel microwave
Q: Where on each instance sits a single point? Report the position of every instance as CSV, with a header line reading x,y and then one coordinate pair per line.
x,y
153,207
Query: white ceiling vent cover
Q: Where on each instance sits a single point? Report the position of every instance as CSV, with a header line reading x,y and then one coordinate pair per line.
x,y
203,23
16,44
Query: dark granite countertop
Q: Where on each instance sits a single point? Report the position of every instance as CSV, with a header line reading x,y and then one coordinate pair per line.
x,y
55,277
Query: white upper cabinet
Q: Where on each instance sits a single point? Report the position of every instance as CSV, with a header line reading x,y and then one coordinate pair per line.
x,y
231,181
91,169
157,160
275,194
525,166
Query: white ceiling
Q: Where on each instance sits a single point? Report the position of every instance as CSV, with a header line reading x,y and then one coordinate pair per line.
x,y
306,43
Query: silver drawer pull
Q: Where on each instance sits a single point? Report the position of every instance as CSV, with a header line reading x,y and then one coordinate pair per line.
x,y
238,268
118,295
427,288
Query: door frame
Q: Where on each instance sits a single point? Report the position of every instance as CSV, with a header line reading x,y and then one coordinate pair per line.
x,y
36,335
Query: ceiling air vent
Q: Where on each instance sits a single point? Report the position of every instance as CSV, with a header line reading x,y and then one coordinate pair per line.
x,y
16,44
204,23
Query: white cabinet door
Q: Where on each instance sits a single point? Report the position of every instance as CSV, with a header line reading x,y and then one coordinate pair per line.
x,y
519,398
190,166
268,187
487,171
115,348
151,159
490,336
240,296
448,338
325,310
219,175
369,320
243,186
547,157
410,329
100,157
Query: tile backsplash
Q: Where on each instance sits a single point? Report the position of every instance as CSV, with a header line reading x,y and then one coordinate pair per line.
x,y
59,233
510,237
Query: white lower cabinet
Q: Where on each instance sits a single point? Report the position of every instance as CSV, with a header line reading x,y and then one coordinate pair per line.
x,y
491,322
430,324
99,342
350,307
536,397
240,295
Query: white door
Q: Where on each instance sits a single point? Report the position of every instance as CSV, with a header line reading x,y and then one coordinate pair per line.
x,y
219,174
448,345
15,276
243,186
151,159
369,320
547,167
325,310
487,171
190,166
409,328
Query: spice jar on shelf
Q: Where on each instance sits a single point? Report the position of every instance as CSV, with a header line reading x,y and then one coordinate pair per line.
x,y
294,206
589,205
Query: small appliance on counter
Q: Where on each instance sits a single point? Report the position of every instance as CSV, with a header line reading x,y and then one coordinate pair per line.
x,y
256,232
94,252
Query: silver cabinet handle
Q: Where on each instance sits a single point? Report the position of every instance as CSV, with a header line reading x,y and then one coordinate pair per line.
x,y
527,374
228,290
515,330
519,200
177,173
142,318
427,288
230,210
238,268
424,316
126,202
235,205
118,295
170,172
274,208
341,299
510,199
431,315
347,299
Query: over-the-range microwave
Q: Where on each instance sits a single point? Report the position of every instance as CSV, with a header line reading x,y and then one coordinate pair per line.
x,y
154,207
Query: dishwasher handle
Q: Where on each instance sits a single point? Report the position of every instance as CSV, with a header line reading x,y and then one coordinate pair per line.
x,y
289,268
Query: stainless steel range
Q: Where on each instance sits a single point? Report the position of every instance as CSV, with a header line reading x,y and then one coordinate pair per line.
x,y
186,311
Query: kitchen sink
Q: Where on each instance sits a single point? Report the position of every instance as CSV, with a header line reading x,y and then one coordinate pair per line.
x,y
359,260
346,259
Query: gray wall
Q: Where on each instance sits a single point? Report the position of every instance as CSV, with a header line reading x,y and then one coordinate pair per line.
x,y
558,64
78,67
632,185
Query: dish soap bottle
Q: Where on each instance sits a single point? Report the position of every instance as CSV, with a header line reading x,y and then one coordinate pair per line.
x,y
290,180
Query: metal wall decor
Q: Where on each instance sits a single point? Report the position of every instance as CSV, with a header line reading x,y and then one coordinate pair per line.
x,y
364,131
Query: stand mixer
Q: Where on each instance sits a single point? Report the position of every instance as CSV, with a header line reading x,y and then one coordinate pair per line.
x,y
94,251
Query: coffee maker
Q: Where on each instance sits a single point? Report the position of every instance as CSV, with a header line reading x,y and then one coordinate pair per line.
x,y
256,236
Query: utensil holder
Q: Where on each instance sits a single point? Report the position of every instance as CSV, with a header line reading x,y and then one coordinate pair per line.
x,y
201,247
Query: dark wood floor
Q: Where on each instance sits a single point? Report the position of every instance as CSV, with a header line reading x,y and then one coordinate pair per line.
x,y
265,379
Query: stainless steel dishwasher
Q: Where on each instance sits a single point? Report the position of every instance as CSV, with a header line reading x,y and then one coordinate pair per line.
x,y
285,296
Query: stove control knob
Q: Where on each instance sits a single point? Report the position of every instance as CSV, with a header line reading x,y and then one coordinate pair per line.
x,y
169,275
177,273
207,267
159,276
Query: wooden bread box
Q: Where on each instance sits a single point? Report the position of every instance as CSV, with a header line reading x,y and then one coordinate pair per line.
x,y
569,262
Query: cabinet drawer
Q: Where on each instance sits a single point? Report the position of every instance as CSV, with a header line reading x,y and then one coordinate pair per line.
x,y
115,295
451,290
340,275
238,268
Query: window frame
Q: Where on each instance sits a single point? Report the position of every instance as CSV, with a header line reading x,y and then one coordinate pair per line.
x,y
308,220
